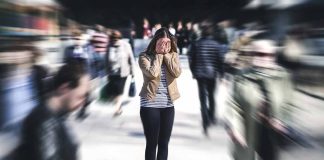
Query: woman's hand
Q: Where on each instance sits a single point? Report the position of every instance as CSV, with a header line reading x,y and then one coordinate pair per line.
x,y
163,46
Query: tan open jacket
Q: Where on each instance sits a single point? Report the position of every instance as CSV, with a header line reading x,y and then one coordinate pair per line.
x,y
151,69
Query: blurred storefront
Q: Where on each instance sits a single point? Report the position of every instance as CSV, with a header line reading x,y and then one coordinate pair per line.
x,y
23,24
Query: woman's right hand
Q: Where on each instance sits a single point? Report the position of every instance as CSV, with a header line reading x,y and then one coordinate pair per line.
x,y
163,46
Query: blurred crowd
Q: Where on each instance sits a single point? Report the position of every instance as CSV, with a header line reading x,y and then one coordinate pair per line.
x,y
261,74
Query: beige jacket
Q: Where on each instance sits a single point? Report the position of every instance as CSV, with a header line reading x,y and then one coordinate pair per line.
x,y
151,69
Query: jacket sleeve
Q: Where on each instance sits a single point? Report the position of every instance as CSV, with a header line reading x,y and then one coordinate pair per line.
x,y
131,59
151,68
106,61
191,55
172,62
46,146
220,60
67,54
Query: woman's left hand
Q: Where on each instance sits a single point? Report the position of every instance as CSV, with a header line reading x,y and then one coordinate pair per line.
x,y
163,46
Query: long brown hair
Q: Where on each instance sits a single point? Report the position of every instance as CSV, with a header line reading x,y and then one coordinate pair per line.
x,y
161,33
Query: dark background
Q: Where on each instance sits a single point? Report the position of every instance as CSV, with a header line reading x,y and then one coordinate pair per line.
x,y
126,14
120,13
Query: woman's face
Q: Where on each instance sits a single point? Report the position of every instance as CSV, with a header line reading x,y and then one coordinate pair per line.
x,y
163,45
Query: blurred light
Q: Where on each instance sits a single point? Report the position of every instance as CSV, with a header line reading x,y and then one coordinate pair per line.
x,y
278,4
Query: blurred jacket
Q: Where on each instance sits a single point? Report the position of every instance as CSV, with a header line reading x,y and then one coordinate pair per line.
x,y
45,136
243,106
151,68
120,59
206,58
100,42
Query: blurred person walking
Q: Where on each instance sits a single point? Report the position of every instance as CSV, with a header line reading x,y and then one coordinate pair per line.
x,y
184,35
45,134
82,52
206,64
41,74
188,35
99,41
181,37
146,29
156,27
120,64
260,107
160,67
172,30
230,31
196,33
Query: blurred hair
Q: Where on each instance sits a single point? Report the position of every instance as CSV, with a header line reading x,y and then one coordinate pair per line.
x,y
99,28
70,73
161,33
116,35
207,28
76,33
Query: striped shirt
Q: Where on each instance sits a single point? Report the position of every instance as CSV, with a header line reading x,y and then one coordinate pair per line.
x,y
162,99
100,42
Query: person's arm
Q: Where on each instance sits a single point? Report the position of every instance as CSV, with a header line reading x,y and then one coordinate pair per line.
x,y
172,62
191,55
151,68
220,60
235,128
131,59
235,115
67,54
106,60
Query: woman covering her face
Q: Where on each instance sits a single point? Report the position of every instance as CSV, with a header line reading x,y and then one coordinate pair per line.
x,y
160,67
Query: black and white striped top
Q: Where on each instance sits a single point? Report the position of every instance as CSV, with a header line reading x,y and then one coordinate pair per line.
x,y
162,99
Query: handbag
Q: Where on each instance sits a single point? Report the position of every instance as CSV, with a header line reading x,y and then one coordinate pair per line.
x,y
132,88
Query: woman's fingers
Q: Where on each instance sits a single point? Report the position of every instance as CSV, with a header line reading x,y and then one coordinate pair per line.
x,y
163,46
